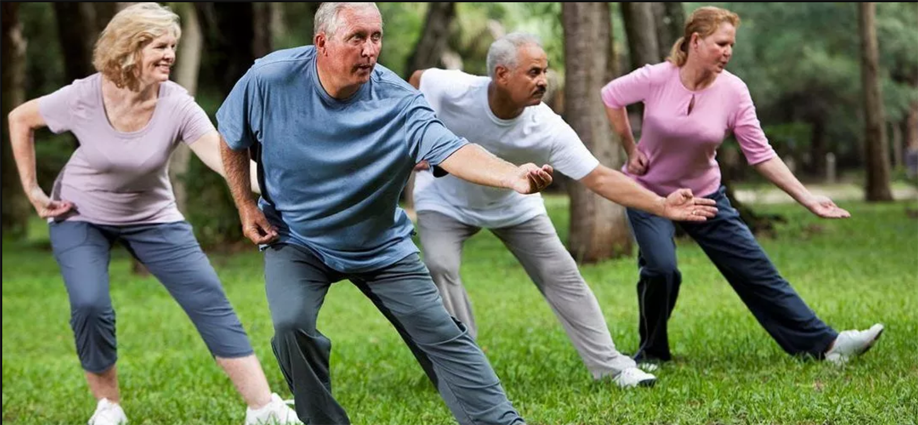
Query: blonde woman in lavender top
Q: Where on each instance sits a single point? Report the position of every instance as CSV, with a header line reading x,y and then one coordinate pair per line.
x,y
129,118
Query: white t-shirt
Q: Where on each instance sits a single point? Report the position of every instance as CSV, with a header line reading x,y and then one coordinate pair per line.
x,y
538,135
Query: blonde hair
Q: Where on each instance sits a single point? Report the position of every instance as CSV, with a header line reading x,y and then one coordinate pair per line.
x,y
705,21
117,54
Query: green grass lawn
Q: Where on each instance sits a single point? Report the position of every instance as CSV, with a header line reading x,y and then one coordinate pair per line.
x,y
853,273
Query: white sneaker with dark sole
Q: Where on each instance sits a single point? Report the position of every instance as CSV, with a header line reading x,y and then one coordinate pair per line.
x,y
853,343
634,377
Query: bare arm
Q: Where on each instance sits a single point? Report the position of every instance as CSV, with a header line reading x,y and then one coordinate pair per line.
x,y
415,79
237,166
637,162
777,172
617,187
475,164
207,149
23,121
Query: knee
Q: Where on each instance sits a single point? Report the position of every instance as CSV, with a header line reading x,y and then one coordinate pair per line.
x,y
91,310
292,325
442,266
661,268
432,325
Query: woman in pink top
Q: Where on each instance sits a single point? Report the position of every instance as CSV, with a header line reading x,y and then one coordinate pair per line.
x,y
128,119
691,103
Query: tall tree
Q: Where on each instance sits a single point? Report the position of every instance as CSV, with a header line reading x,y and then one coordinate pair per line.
x,y
188,65
598,229
670,22
427,53
641,30
434,37
15,207
875,143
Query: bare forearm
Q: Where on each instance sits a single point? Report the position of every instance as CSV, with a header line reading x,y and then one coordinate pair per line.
x,y
476,165
618,188
236,166
620,124
777,172
22,139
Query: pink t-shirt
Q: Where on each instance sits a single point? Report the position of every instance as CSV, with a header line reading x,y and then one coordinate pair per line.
x,y
118,178
681,146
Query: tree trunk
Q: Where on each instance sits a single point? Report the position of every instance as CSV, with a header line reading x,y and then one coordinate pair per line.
x,y
641,29
876,145
188,64
597,228
77,32
897,145
15,207
427,52
261,17
613,67
434,37
818,146
670,20
229,32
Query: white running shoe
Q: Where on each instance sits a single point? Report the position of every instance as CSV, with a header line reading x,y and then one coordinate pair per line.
x,y
853,343
634,377
108,413
277,412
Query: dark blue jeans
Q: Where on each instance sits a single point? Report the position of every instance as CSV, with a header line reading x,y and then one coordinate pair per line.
x,y
732,248
172,254
296,284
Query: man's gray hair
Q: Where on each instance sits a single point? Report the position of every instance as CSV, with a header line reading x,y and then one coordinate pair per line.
x,y
505,50
326,19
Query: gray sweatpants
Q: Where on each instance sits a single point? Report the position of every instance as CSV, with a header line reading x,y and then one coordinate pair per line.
x,y
537,247
296,284
172,254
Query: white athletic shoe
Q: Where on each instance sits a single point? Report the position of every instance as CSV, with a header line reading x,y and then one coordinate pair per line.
x,y
634,377
853,343
277,412
108,413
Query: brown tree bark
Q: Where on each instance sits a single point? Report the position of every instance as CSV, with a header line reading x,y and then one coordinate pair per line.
x,y
670,20
187,67
598,229
641,30
15,206
877,152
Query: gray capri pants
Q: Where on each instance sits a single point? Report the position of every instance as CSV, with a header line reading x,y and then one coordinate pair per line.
x,y
172,254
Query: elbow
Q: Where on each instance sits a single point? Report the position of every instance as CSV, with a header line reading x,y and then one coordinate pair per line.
x,y
415,79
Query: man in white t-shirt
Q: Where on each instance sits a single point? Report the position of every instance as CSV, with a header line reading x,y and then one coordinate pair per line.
x,y
504,114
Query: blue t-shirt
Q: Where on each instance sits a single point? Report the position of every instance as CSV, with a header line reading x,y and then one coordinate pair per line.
x,y
334,169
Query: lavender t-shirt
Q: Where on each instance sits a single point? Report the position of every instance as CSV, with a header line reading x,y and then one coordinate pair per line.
x,y
681,145
119,178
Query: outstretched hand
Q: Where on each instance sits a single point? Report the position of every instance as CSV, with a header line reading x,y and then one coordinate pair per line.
x,y
530,178
825,208
682,205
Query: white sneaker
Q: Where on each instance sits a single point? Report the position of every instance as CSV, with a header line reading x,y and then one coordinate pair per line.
x,y
633,377
108,413
853,343
277,412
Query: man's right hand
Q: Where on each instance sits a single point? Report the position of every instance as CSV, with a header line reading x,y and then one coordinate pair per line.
x,y
637,162
682,205
256,227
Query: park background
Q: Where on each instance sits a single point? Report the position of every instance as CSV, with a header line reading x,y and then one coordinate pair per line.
x,y
836,90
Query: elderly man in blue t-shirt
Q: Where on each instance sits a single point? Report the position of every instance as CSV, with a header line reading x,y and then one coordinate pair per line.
x,y
337,137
